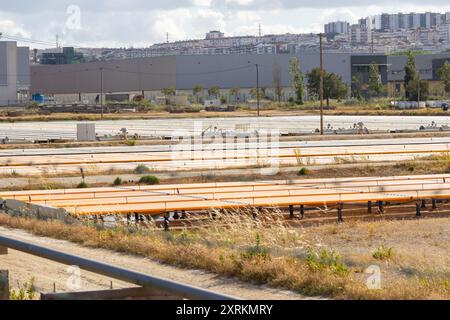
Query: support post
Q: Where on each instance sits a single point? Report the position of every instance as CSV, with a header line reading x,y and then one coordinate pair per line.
x,y
4,285
302,212
340,217
369,207
434,204
321,91
258,98
418,208
166,222
3,250
291,212
381,207
424,204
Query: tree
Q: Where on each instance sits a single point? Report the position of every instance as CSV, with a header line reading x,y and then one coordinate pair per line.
x,y
357,88
214,91
277,81
333,86
254,93
444,75
413,89
169,91
375,86
196,90
297,80
234,92
410,73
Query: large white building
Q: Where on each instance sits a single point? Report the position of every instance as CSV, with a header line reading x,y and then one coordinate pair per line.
x,y
14,73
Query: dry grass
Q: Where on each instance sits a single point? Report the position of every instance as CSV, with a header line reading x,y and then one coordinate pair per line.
x,y
315,262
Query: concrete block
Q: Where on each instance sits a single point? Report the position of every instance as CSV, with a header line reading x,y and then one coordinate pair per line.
x,y
4,285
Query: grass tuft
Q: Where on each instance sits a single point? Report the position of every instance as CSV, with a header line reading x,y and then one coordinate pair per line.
x,y
384,253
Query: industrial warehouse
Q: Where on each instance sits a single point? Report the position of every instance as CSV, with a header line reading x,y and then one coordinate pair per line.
x,y
84,82
265,161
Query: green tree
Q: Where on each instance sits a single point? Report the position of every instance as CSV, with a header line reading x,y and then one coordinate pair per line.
x,y
277,81
169,91
214,92
357,88
375,86
254,93
410,73
333,86
297,79
413,89
444,75
234,92
196,90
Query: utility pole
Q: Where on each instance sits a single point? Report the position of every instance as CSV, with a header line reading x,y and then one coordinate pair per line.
x,y
257,89
101,91
418,89
321,85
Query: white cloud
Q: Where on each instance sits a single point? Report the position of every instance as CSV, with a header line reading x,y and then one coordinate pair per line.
x,y
143,22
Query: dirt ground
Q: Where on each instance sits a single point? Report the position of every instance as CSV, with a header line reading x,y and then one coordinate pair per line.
x,y
421,247
23,267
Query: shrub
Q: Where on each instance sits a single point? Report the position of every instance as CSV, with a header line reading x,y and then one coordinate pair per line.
x,y
384,253
82,185
150,180
303,172
118,181
131,142
326,260
141,169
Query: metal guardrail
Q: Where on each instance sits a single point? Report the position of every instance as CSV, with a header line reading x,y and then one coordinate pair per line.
x,y
167,286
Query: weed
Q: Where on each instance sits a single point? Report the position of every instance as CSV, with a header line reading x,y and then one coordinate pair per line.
x,y
27,291
131,142
326,260
256,251
384,253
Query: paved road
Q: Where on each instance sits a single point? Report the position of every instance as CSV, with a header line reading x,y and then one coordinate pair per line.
x,y
158,127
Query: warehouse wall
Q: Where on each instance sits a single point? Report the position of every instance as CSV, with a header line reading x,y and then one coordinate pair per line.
x,y
23,66
8,73
181,72
118,76
426,64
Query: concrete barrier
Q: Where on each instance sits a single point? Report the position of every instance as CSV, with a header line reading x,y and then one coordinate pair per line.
x,y
4,285
23,209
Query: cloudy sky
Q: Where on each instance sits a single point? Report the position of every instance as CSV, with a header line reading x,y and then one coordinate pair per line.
x,y
139,23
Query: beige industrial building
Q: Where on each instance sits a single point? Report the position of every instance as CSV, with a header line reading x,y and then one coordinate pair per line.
x,y
14,73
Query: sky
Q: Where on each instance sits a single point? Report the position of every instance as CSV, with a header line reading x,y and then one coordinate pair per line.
x,y
140,23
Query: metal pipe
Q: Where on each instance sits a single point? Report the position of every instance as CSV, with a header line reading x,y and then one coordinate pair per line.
x,y
137,278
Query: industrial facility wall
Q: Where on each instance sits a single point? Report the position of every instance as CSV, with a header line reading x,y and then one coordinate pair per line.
x,y
180,72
